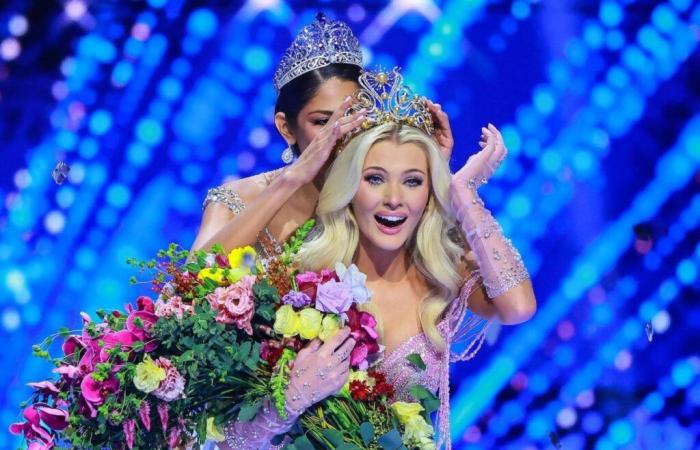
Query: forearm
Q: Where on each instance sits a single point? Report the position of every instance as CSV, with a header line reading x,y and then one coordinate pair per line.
x,y
244,228
509,294
259,432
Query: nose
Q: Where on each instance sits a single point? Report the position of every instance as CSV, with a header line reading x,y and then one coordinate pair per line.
x,y
392,196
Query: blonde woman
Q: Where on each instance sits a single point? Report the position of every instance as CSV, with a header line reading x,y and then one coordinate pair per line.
x,y
389,205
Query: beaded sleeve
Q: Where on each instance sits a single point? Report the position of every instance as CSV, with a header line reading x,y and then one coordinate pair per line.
x,y
258,433
500,263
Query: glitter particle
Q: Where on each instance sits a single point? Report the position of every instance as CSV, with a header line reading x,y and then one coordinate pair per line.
x,y
60,172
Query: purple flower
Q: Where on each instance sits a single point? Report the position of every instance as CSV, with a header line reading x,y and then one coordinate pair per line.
x,y
296,299
334,297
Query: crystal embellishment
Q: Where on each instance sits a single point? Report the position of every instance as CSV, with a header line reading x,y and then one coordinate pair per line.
x,y
321,43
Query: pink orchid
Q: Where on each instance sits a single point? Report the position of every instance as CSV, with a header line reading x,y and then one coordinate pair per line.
x,y
72,343
38,437
363,329
45,387
95,392
142,331
144,303
70,372
56,419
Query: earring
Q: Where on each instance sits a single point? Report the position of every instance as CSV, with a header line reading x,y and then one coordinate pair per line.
x,y
288,155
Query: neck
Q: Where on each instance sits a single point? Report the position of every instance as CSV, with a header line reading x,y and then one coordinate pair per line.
x,y
390,266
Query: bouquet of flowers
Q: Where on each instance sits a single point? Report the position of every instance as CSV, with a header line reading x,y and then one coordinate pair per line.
x,y
218,339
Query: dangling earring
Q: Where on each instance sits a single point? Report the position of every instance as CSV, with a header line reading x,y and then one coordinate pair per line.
x,y
288,154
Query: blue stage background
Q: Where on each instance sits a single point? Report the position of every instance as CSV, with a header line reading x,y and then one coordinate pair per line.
x,y
152,103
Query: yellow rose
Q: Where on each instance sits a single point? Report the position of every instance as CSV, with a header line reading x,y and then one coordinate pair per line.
x,y
213,432
287,321
242,257
148,375
404,411
418,433
329,327
309,323
214,274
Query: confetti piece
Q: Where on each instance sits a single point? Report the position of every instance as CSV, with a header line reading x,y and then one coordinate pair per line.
x,y
554,438
650,331
60,172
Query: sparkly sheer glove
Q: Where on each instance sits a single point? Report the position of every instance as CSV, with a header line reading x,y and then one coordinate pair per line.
x,y
499,262
317,372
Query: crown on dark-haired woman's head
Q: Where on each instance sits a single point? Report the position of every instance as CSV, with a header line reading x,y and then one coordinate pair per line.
x,y
321,43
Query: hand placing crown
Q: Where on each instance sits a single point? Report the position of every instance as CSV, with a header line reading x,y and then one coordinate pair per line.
x,y
385,99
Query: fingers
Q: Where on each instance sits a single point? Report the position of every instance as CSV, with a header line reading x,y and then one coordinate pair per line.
x,y
343,352
333,343
340,111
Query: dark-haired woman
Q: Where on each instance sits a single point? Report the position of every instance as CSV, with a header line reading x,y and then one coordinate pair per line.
x,y
314,84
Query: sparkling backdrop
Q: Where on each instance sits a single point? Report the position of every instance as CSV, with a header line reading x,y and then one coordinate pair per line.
x,y
150,103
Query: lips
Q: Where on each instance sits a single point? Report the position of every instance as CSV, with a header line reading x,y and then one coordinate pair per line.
x,y
390,221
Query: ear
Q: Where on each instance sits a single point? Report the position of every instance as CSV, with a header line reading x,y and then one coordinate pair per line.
x,y
284,128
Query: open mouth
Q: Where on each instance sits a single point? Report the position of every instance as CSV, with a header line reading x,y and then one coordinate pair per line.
x,y
390,221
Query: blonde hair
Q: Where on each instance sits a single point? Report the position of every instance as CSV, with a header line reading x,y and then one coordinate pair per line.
x,y
336,235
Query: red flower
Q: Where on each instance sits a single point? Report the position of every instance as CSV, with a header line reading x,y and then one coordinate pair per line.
x,y
144,303
359,390
362,328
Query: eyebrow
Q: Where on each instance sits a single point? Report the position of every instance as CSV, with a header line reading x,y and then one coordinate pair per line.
x,y
320,111
384,170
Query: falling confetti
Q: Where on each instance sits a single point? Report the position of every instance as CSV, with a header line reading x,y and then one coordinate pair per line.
x,y
554,437
60,172
650,331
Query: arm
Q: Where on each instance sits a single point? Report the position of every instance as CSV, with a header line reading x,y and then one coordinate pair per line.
x,y
220,224
507,291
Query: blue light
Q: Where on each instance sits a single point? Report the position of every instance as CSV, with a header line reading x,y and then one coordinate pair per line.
x,y
544,100
683,374
257,59
519,206
192,173
67,140
118,195
592,422
122,73
170,88
100,122
687,272
593,35
603,96
107,217
664,18
181,67
576,53
558,72
138,154
520,9
654,402
149,131
584,163
564,356
538,426
85,258
88,148
202,23
157,3
621,432
614,40
611,13
133,47
65,196
538,384
618,77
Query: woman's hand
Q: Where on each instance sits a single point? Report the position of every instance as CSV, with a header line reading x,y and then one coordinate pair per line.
x,y
481,165
443,131
313,157
319,370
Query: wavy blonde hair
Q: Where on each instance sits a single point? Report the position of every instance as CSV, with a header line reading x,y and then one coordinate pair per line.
x,y
432,248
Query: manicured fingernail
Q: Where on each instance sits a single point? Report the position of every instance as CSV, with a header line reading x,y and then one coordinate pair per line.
x,y
348,98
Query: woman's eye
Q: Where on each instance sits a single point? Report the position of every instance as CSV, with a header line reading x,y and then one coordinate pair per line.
x,y
373,179
320,122
413,182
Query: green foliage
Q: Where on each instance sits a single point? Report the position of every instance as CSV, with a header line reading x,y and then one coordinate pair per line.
x,y
416,360
295,242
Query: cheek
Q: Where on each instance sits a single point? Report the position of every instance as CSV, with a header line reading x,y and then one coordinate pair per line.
x,y
365,200
419,202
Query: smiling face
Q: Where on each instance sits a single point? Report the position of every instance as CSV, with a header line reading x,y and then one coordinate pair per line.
x,y
393,193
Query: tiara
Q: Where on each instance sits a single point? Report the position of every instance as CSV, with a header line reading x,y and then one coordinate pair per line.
x,y
319,44
386,99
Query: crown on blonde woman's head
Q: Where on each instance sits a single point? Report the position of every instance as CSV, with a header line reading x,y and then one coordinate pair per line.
x,y
386,99
321,43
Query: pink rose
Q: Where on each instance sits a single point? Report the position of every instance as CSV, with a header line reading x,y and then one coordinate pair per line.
x,y
173,306
334,297
235,304
174,384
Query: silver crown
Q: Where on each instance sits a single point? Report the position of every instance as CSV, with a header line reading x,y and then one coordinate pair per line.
x,y
319,44
384,99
